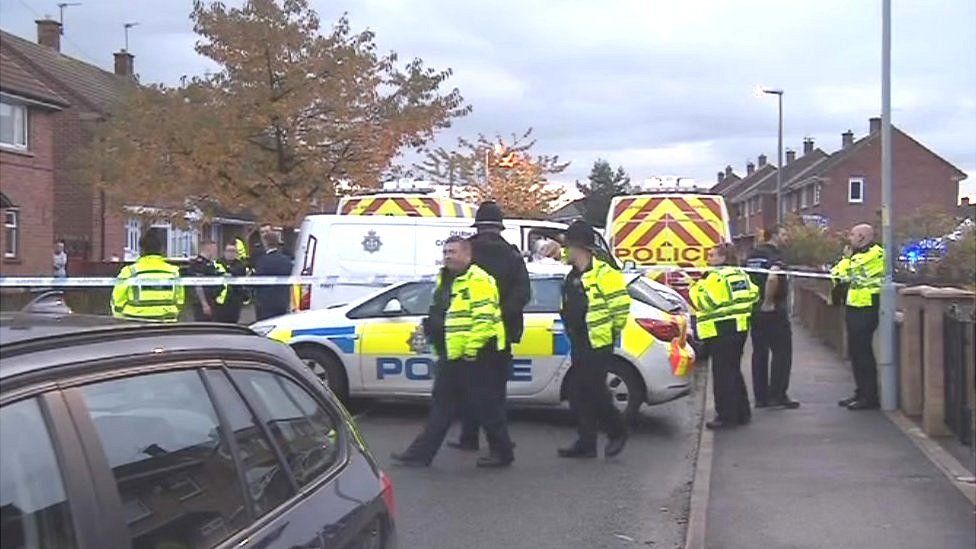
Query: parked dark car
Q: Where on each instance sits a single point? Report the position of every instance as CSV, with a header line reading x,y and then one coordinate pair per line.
x,y
123,435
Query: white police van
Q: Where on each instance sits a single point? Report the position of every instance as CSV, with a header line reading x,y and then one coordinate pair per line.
x,y
354,254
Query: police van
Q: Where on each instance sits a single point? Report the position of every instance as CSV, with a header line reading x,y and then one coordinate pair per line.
x,y
355,254
369,348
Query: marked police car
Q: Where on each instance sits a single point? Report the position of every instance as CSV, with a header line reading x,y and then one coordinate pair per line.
x,y
366,348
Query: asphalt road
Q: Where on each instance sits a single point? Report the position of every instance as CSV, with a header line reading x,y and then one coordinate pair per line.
x,y
639,499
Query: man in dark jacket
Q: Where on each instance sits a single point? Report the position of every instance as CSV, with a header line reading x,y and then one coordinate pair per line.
x,y
505,264
230,310
204,298
273,300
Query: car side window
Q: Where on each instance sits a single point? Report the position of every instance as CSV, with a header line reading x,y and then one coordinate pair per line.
x,y
267,483
546,295
302,428
33,506
414,299
174,471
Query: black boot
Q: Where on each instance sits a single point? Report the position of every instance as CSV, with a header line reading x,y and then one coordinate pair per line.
x,y
615,445
495,462
578,450
408,461
463,446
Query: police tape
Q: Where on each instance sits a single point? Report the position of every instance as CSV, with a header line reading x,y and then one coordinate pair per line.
x,y
378,280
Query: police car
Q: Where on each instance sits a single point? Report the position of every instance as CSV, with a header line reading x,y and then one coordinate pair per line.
x,y
368,348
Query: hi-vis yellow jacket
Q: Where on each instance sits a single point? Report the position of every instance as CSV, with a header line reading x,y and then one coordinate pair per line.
x,y
474,315
158,301
864,272
726,293
608,303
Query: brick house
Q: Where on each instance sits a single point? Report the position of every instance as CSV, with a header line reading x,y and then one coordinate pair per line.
x,y
97,234
28,111
844,188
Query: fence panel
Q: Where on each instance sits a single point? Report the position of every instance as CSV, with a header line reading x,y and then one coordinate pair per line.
x,y
958,344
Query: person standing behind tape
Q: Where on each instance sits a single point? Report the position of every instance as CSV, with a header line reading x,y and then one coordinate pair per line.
x,y
724,299
594,311
466,329
229,310
273,300
160,300
206,298
863,274
771,332
504,263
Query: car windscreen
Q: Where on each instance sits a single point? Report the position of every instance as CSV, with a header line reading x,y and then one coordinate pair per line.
x,y
640,290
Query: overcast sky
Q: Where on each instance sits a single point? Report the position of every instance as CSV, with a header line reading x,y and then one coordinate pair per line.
x,y
663,87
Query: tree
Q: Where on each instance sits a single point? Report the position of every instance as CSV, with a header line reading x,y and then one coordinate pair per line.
x,y
925,222
603,185
491,169
810,245
290,114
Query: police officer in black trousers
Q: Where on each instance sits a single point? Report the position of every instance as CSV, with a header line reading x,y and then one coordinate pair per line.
x,y
504,263
771,331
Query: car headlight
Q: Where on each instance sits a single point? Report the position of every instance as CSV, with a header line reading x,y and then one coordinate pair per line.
x,y
263,330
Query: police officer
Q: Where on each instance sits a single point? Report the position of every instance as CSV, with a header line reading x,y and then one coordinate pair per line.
x,y
724,300
160,300
771,333
229,308
205,298
466,328
862,273
594,311
504,263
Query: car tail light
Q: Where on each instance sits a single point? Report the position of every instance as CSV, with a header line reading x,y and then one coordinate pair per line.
x,y
305,298
386,490
665,330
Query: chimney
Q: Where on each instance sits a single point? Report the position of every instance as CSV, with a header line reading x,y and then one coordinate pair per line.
x,y
750,167
49,33
790,156
762,160
728,171
807,146
874,124
721,176
124,65
847,139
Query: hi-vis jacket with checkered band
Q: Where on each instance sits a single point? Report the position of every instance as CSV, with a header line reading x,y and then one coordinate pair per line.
x,y
474,316
160,300
608,303
864,272
726,293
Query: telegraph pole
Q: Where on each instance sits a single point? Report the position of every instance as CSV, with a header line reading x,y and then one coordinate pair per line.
x,y
888,368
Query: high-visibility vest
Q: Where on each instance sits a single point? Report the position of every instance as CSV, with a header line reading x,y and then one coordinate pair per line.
x,y
864,273
159,301
474,315
225,289
607,303
724,294
241,250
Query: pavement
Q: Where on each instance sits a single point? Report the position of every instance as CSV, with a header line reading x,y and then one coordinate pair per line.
x,y
638,499
823,476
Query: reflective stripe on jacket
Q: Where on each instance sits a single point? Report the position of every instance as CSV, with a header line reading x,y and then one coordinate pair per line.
x,y
225,289
864,273
474,315
158,301
608,303
726,293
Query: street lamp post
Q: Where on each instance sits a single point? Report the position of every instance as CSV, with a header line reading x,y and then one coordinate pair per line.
x,y
779,156
887,366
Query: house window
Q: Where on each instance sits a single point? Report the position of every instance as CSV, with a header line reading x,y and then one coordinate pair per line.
x,y
13,125
133,229
816,194
855,190
804,197
183,242
11,233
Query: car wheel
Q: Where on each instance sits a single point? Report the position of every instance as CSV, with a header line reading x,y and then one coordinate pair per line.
x,y
327,367
626,388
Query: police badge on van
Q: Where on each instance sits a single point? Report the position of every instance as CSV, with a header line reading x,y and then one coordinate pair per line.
x,y
372,242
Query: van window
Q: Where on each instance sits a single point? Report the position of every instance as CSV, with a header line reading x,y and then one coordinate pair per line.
x,y
308,262
414,297
33,506
547,295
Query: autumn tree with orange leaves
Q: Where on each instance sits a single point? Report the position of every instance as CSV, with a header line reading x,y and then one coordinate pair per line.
x,y
291,113
496,169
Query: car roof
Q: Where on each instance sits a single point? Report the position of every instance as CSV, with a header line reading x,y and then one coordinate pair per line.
x,y
30,342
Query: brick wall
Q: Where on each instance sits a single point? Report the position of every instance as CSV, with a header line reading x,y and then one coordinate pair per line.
x,y
73,222
920,179
27,179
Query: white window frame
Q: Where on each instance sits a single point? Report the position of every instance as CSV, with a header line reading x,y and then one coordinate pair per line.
x,y
23,133
11,229
850,190
805,197
133,230
816,194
